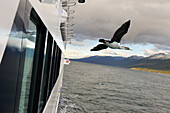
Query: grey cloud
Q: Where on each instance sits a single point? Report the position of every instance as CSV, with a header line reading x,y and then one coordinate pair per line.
x,y
161,47
80,37
101,18
155,39
79,43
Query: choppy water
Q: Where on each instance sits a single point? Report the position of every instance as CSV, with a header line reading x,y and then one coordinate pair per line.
x,y
91,88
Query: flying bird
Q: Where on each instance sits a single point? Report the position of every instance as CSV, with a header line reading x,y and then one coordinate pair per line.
x,y
114,43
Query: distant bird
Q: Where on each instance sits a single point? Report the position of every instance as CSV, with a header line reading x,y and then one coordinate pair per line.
x,y
115,41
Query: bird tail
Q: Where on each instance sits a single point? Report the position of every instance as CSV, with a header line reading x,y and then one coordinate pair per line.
x,y
101,40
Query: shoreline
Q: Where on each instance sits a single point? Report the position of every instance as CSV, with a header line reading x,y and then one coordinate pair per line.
x,y
152,70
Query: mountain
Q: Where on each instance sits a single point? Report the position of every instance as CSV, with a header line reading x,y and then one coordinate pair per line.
x,y
159,61
160,56
109,60
104,60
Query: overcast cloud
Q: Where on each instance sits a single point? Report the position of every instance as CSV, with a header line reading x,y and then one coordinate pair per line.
x,y
101,18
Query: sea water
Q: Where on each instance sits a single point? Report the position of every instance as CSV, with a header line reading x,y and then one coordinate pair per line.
x,y
91,88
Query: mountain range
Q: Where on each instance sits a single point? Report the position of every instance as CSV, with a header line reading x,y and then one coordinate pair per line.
x,y
159,61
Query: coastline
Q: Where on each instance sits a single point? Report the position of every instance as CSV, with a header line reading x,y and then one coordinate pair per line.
x,y
153,70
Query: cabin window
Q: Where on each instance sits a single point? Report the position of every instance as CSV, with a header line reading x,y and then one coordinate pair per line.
x,y
46,72
55,66
52,69
38,62
33,44
29,41
41,66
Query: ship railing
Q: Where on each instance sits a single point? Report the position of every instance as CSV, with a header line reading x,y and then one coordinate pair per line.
x,y
67,27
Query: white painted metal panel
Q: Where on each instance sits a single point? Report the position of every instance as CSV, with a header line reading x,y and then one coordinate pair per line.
x,y
50,14
7,12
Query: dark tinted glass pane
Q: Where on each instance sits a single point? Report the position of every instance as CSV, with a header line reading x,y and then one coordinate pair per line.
x,y
28,46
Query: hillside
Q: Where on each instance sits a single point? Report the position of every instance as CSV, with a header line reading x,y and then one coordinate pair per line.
x,y
158,61
104,60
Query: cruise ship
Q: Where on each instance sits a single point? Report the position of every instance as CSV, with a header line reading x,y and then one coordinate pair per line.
x,y
33,37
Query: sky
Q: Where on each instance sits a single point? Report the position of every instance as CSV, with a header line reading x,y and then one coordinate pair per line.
x,y
149,32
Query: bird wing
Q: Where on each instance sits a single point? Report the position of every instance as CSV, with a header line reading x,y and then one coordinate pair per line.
x,y
99,47
120,32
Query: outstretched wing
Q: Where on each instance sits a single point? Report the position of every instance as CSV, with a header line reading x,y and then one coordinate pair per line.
x,y
120,32
99,47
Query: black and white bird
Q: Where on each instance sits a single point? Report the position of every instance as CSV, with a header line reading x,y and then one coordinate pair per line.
x,y
115,41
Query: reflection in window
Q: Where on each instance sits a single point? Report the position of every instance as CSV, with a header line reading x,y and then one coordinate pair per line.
x,y
28,47
46,70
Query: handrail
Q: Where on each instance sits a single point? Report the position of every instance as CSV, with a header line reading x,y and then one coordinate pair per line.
x,y
67,27
65,3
